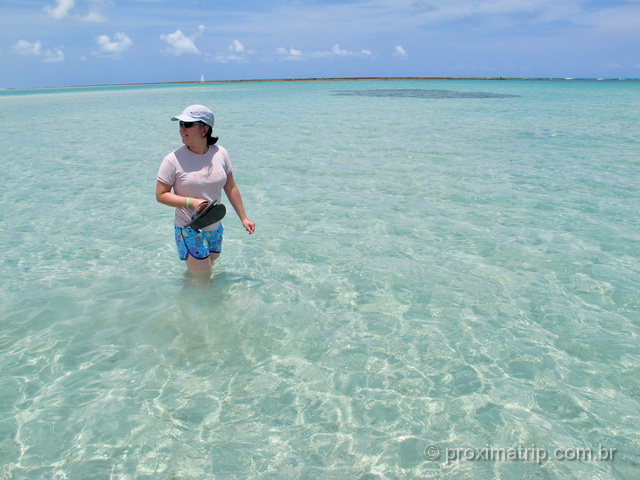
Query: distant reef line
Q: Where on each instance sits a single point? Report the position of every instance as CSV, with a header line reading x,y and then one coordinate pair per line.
x,y
320,79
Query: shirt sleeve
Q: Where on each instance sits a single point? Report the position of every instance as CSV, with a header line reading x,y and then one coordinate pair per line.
x,y
167,171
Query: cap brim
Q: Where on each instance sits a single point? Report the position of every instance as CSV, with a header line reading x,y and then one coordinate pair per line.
x,y
184,118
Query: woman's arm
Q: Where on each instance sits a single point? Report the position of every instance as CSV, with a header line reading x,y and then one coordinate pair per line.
x,y
166,197
233,194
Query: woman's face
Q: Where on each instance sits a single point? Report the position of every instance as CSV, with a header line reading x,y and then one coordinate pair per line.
x,y
192,132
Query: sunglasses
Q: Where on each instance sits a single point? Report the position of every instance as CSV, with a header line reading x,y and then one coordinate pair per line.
x,y
189,124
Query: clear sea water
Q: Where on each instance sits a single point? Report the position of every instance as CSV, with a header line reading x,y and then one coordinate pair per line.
x,y
444,283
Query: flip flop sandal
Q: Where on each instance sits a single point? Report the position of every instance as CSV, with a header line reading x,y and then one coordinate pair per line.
x,y
211,214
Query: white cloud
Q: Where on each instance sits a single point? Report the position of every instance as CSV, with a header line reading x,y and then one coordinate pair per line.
x,y
24,47
112,48
95,17
52,56
289,54
400,52
179,44
235,52
236,46
34,49
62,10
336,51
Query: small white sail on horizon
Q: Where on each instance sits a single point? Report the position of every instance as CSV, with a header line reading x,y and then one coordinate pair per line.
x,y
202,78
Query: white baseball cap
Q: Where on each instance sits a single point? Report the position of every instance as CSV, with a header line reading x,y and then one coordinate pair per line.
x,y
196,113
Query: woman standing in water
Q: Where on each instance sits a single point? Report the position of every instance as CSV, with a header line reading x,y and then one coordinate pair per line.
x,y
197,173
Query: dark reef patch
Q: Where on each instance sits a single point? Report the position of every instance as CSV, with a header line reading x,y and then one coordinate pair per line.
x,y
421,93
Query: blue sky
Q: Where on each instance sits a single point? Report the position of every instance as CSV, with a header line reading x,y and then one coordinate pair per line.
x,y
87,42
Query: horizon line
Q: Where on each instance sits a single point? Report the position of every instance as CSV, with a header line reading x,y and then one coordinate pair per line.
x,y
322,79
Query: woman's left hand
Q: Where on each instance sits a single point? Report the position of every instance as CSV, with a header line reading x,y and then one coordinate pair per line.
x,y
249,225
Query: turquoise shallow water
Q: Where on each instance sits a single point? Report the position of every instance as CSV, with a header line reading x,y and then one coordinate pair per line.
x,y
441,272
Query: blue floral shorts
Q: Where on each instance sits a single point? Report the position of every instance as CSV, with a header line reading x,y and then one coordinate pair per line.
x,y
198,243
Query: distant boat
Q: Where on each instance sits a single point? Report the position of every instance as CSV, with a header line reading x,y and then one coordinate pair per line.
x,y
202,78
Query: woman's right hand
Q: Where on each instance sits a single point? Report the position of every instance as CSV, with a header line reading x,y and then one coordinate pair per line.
x,y
198,204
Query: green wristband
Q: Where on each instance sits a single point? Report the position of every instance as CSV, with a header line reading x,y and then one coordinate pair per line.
x,y
188,200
